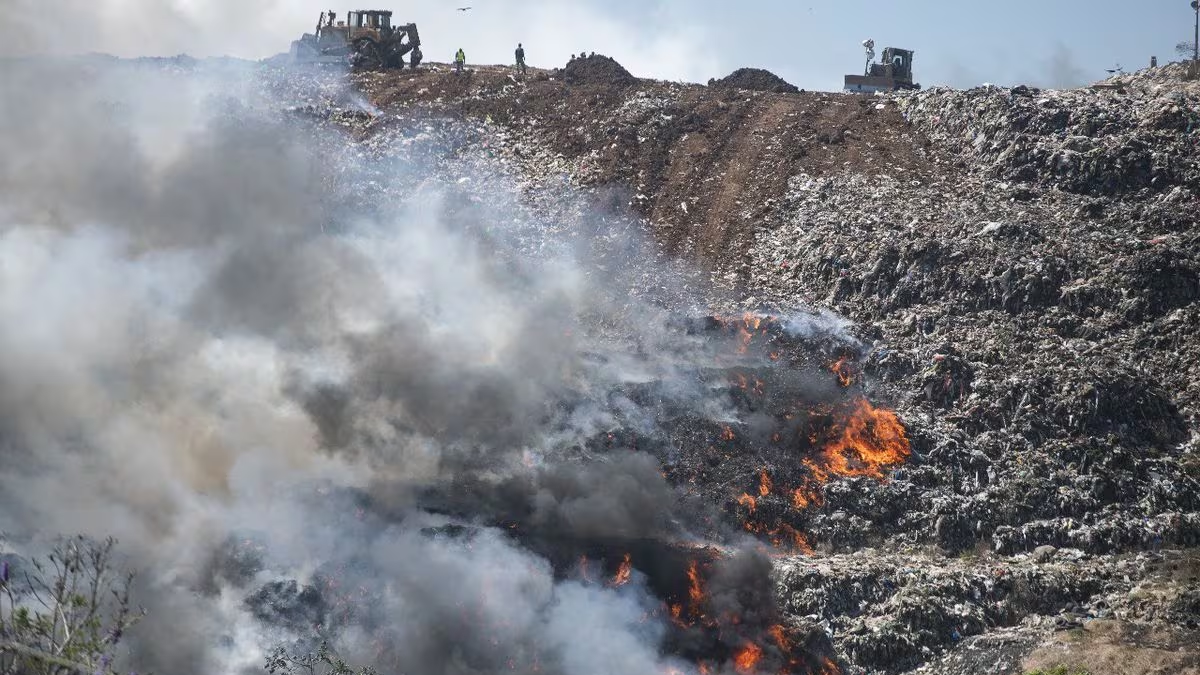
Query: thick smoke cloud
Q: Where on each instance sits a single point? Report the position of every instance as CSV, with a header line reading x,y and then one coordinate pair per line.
x,y
217,353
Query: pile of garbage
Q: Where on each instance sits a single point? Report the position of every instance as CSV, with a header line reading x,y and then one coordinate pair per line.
x,y
888,612
1025,339
1087,141
755,79
1170,75
596,69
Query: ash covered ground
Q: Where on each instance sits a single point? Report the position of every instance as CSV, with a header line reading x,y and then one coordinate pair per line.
x,y
482,374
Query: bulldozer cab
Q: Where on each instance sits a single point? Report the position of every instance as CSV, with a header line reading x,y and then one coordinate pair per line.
x,y
900,62
893,72
369,19
372,24
365,38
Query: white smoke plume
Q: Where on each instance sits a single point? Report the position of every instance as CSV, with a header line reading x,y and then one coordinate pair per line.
x,y
308,403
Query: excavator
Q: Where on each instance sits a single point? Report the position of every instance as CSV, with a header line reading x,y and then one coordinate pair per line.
x,y
892,73
366,39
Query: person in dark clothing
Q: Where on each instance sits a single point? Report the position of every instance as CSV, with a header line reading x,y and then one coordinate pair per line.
x,y
521,58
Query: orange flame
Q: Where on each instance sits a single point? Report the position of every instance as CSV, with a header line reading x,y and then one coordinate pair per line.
x,y
727,434
748,502
776,632
801,498
871,441
842,369
746,328
764,483
808,494
747,658
796,539
624,572
677,616
695,588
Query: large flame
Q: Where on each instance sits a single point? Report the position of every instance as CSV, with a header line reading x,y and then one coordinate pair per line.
x,y
871,441
747,658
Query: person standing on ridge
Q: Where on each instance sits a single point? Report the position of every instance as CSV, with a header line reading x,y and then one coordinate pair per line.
x,y
521,58
460,60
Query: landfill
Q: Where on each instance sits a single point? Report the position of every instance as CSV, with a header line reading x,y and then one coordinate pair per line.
x,y
1014,272
1023,268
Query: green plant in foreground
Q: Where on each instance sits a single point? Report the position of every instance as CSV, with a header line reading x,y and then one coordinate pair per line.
x,y
66,615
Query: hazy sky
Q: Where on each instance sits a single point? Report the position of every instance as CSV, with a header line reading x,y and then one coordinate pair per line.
x,y
812,43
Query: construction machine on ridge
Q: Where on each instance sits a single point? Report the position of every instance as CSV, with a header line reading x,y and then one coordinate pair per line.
x,y
893,72
367,39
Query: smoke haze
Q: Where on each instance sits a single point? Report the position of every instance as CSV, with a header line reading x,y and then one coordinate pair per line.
x,y
261,29
315,397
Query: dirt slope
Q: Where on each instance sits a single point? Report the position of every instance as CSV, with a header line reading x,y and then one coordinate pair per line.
x,y
725,153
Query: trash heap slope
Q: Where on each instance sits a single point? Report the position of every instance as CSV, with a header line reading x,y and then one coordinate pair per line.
x,y
1097,142
1023,268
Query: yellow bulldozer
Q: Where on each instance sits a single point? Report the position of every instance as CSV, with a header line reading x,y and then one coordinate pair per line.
x,y
366,39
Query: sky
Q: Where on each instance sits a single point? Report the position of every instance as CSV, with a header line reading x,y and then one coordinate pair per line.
x,y
811,43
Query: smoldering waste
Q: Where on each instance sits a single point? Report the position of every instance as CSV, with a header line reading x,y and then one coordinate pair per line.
x,y
423,427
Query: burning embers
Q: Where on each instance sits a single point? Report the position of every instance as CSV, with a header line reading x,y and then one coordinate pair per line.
x,y
805,422
719,610
726,621
853,439
778,417
798,429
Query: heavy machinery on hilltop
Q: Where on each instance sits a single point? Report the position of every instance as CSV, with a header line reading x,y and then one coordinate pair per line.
x,y
366,39
892,73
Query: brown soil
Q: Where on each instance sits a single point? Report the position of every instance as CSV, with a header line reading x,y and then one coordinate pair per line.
x,y
725,153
